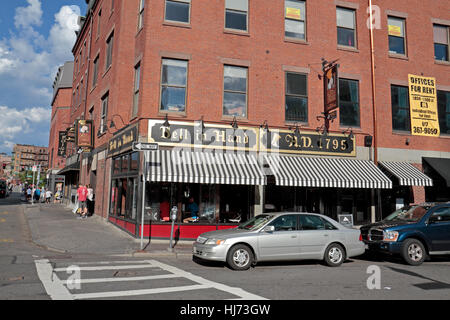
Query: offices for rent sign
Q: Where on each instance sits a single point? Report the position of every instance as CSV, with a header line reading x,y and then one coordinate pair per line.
x,y
423,106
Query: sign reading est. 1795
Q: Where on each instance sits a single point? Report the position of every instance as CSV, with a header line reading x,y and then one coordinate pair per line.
x,y
423,106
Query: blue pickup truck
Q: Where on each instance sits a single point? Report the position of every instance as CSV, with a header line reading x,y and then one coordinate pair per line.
x,y
414,232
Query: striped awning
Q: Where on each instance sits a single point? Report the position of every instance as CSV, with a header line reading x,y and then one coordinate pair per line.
x,y
407,174
326,172
204,167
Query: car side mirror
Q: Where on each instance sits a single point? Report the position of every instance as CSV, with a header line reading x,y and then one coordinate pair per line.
x,y
269,229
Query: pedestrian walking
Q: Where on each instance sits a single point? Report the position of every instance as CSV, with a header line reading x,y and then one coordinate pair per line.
x,y
82,197
37,194
48,196
90,200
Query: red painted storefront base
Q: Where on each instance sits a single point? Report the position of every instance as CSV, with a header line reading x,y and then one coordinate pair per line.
x,y
182,231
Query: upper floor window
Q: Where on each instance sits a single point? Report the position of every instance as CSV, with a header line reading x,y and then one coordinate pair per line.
x,y
296,104
137,77
99,23
349,103
235,91
95,76
443,100
178,10
396,30
294,19
141,14
400,108
346,27
109,50
441,41
103,120
173,85
236,14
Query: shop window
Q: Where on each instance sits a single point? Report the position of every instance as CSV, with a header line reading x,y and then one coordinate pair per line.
x,y
235,91
134,162
178,10
443,100
236,14
296,105
294,19
117,165
173,85
125,163
346,27
349,103
396,30
441,36
400,108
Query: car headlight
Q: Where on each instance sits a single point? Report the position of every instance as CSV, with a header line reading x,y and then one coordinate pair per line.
x,y
390,236
215,241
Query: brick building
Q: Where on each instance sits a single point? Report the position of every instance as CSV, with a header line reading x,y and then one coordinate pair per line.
x,y
245,77
25,156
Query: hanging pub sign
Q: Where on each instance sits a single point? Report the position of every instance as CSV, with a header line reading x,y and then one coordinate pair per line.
x,y
286,141
423,106
84,137
122,141
62,144
199,135
331,88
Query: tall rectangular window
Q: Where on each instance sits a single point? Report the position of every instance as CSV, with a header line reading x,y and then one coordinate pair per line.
x,y
400,108
236,14
349,103
141,14
296,104
235,91
443,100
178,10
173,85
396,30
441,36
294,19
95,76
109,50
346,27
137,77
99,18
103,120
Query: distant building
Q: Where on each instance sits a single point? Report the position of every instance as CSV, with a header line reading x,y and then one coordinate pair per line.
x,y
5,165
25,156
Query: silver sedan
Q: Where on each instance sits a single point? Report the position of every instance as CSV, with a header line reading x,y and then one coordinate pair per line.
x,y
281,236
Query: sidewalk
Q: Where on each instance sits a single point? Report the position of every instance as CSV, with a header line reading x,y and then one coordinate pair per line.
x,y
56,228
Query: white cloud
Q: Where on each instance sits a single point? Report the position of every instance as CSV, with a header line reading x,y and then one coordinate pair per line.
x,y
28,16
14,122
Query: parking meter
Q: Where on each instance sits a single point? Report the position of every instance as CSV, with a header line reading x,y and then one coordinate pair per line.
x,y
173,216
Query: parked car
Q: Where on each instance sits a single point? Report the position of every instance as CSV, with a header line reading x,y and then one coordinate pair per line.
x,y
3,189
281,236
414,232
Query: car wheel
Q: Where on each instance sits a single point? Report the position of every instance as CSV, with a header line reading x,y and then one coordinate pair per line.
x,y
334,255
413,252
240,257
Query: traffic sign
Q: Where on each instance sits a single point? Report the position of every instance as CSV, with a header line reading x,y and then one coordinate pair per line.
x,y
141,146
34,168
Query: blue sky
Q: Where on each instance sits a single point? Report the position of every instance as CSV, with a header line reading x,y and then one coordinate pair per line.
x,y
36,37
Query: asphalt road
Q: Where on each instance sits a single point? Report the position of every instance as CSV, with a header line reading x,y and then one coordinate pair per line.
x,y
28,271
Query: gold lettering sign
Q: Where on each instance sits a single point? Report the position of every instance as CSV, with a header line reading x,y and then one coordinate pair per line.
x,y
423,106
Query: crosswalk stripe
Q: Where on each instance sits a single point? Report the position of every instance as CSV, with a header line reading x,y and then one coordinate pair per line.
x,y
138,292
99,280
108,268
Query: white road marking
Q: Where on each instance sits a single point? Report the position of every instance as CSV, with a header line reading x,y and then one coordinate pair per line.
x,y
57,290
144,278
137,292
108,268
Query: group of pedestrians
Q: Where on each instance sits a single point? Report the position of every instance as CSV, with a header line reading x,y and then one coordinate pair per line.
x,y
85,201
39,194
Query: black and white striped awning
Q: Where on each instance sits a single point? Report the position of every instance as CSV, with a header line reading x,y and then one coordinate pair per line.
x,y
407,174
326,172
205,167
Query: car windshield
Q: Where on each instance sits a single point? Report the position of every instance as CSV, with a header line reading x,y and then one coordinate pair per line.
x,y
408,213
256,222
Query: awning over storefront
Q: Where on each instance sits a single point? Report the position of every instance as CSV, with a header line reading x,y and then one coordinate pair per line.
x,y
441,166
326,172
205,167
73,167
407,174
